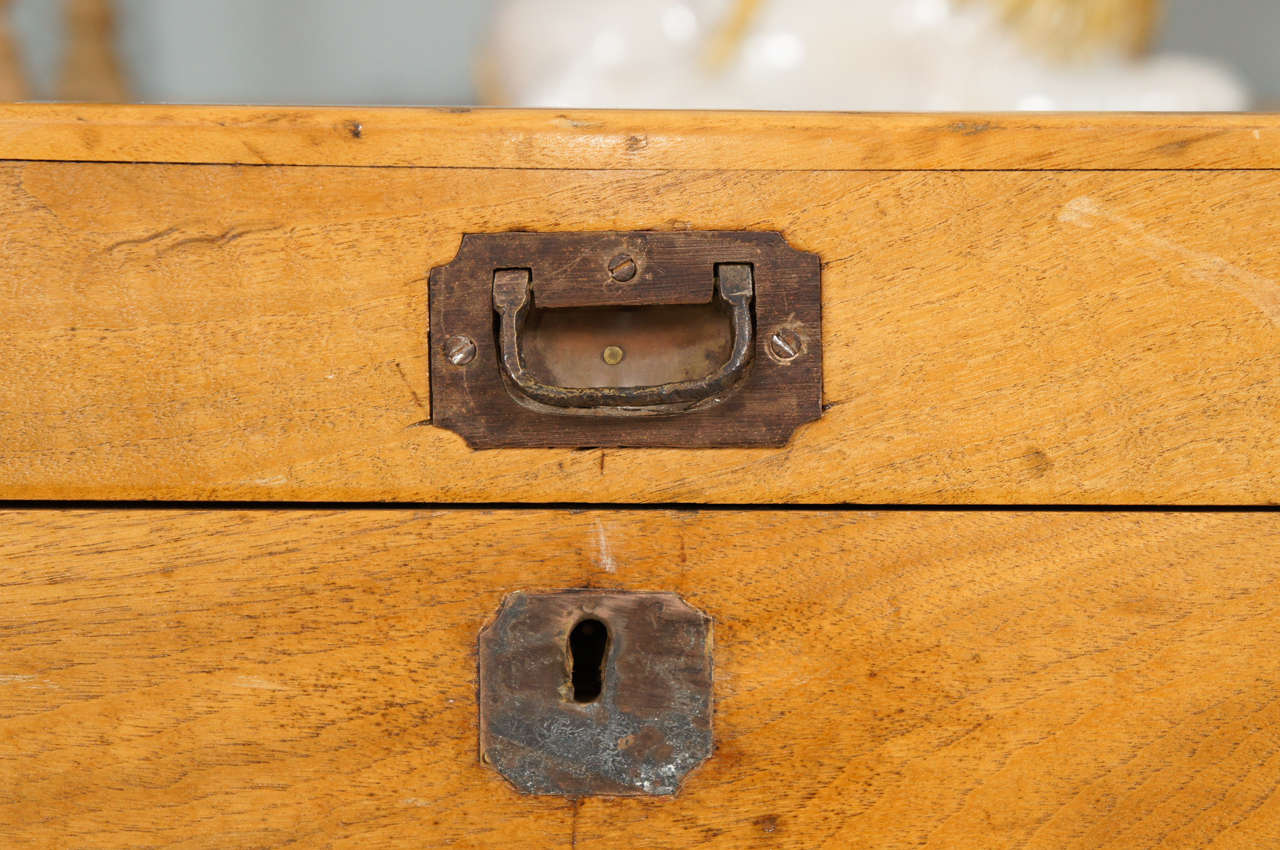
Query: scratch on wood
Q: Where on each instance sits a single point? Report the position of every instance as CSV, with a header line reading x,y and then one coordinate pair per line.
x,y
970,128
574,123
1262,292
169,231
228,236
259,683
416,399
256,152
605,554
273,481
1180,145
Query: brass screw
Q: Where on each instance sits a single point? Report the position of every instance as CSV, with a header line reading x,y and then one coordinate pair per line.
x,y
785,345
613,355
622,268
460,350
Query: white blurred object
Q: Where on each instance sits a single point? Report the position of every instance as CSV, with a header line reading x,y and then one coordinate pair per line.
x,y
873,55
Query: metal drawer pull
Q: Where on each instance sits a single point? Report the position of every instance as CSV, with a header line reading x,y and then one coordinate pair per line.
x,y
513,300
635,339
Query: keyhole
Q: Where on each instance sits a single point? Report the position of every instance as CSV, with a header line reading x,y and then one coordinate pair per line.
x,y
587,643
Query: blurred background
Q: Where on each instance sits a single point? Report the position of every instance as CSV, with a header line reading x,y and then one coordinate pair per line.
x,y
433,52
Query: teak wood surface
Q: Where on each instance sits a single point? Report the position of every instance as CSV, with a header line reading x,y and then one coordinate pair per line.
x,y
231,303
882,679
1013,314
454,137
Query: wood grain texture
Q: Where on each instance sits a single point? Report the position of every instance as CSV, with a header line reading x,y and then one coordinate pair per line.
x,y
619,139
267,679
198,332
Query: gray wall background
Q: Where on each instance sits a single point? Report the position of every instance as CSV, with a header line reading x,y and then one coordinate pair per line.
x,y
420,51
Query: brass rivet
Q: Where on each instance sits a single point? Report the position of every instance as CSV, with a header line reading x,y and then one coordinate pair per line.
x,y
613,355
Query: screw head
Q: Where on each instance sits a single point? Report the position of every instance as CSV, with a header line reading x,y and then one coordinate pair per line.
x,y
613,355
785,345
460,350
622,268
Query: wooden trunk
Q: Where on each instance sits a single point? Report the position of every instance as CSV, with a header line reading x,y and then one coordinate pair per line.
x,y
1017,587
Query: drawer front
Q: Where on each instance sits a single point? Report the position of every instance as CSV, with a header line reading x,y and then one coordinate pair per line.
x,y
886,679
1012,314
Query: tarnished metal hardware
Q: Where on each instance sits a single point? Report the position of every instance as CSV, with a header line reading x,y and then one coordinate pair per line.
x,y
460,350
627,339
622,268
785,345
587,693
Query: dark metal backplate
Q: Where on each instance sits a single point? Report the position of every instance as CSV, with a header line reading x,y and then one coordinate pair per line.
x,y
651,724
782,390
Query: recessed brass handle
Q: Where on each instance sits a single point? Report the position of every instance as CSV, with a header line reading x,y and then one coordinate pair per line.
x,y
637,339
513,300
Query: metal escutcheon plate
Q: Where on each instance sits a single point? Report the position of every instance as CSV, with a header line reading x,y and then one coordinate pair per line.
x,y
641,729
